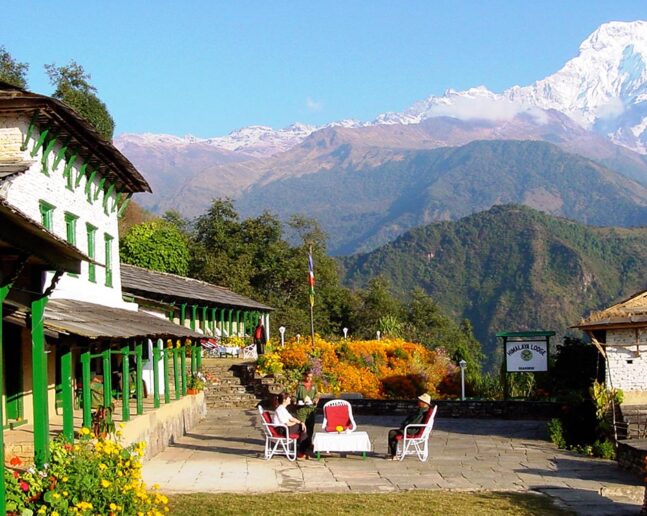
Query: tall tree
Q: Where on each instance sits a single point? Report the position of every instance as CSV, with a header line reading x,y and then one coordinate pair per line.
x,y
73,87
12,71
156,245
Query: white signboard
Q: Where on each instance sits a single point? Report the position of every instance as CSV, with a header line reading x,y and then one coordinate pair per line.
x,y
526,356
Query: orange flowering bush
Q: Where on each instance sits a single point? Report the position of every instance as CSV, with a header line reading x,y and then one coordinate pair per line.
x,y
388,368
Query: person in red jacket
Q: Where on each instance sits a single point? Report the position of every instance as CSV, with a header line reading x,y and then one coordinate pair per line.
x,y
259,338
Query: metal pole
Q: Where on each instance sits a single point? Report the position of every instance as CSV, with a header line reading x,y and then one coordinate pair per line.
x,y
462,365
107,380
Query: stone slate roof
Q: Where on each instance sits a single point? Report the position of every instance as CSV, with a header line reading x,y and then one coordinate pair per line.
x,y
68,316
63,121
170,288
629,313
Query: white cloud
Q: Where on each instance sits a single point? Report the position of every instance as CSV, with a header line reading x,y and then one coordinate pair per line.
x,y
313,105
482,107
612,109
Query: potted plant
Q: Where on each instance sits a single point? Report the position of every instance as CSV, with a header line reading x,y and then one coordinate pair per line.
x,y
195,383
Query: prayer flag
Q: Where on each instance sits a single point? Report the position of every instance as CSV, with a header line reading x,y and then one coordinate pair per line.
x,y
311,280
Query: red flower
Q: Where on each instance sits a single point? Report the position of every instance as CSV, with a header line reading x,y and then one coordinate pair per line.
x,y
15,461
24,486
16,474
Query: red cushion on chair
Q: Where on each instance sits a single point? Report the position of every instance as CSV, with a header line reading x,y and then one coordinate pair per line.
x,y
398,437
337,416
276,432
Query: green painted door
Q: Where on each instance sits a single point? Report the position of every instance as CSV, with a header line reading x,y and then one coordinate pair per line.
x,y
13,372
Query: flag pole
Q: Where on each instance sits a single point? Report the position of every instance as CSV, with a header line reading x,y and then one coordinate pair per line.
x,y
311,280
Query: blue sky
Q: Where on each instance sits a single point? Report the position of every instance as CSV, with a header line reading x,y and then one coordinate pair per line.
x,y
206,68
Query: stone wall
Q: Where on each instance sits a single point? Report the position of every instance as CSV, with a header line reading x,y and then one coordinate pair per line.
x,y
627,360
542,410
631,456
163,426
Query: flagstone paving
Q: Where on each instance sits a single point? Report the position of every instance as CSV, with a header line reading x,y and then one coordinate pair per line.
x,y
224,453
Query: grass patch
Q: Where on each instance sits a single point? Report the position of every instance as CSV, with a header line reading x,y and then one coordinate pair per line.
x,y
409,502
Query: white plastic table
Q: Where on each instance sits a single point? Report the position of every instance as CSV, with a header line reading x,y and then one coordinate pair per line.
x,y
341,442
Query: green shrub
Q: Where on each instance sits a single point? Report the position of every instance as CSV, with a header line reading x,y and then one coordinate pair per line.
x,y
488,387
604,449
87,477
556,433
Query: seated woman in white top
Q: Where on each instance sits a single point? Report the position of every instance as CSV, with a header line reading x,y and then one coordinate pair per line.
x,y
283,417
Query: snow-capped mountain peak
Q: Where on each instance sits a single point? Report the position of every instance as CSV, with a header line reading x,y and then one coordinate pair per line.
x,y
603,88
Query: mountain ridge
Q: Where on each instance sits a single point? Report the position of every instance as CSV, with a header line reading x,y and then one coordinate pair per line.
x,y
510,268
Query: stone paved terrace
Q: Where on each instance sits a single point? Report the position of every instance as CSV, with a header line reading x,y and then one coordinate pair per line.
x,y
224,454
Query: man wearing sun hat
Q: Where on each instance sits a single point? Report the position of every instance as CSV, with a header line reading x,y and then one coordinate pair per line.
x,y
424,405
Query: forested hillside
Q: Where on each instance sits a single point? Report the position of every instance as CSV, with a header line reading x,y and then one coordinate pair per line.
x,y
510,268
362,206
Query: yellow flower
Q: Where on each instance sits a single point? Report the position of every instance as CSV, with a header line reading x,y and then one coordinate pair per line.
x,y
105,483
64,479
54,513
84,431
113,506
56,496
103,467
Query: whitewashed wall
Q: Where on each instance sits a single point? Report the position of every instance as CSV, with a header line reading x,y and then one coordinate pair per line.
x,y
626,362
26,190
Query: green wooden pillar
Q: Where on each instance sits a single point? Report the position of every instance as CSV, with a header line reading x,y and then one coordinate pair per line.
x,y
205,322
237,322
156,374
221,320
107,377
198,356
167,381
39,383
125,383
230,323
139,388
213,321
176,375
68,395
4,292
194,362
182,314
183,368
194,316
86,396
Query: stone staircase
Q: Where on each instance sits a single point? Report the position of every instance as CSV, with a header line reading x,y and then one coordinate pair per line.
x,y
229,385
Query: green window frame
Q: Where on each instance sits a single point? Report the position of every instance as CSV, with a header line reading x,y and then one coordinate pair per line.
x,y
108,250
46,214
70,227
91,232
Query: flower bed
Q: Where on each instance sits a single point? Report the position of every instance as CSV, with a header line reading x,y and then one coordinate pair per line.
x,y
86,477
388,368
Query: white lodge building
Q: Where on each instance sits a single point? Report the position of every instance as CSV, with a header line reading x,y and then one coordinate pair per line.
x,y
68,185
74,188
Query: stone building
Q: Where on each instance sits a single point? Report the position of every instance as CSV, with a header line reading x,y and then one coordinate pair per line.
x,y
620,334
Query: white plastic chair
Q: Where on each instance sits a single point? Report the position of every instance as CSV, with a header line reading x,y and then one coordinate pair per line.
x,y
338,413
250,351
277,438
419,443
